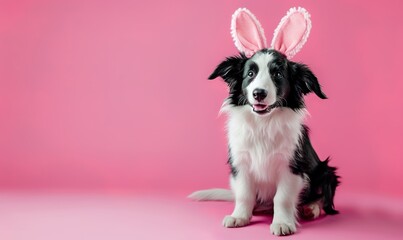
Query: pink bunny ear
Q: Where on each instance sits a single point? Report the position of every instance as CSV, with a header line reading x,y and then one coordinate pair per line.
x,y
247,32
292,32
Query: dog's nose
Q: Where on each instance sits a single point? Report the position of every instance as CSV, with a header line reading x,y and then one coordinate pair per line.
x,y
259,94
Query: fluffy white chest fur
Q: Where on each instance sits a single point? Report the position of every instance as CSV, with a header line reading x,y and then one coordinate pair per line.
x,y
263,147
261,150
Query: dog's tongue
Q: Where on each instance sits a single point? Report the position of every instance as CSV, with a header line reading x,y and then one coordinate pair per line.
x,y
259,107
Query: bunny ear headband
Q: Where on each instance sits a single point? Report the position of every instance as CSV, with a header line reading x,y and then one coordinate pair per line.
x,y
289,36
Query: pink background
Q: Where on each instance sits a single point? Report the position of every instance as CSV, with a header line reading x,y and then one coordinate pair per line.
x,y
113,95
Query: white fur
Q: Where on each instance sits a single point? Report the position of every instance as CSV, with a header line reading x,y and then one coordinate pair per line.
x,y
216,194
261,148
311,211
262,80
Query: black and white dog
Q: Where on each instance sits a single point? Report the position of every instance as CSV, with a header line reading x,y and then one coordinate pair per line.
x,y
273,164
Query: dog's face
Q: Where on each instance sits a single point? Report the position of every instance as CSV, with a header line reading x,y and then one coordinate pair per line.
x,y
267,80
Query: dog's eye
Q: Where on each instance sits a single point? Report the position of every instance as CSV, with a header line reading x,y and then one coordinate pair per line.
x,y
278,75
251,73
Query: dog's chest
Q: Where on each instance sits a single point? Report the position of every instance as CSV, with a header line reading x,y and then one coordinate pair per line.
x,y
264,146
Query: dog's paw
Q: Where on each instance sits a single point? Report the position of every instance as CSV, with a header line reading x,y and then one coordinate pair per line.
x,y
232,222
310,212
282,229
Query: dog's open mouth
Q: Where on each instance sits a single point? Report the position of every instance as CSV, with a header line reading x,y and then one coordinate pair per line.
x,y
261,108
264,108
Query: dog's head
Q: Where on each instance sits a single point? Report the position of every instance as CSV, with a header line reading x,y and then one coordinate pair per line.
x,y
265,78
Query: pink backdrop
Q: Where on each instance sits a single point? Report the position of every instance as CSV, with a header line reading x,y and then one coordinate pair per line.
x,y
113,95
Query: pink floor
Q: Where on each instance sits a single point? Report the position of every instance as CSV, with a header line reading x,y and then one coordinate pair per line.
x,y
44,216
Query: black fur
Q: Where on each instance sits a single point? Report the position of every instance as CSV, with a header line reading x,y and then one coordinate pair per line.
x,y
233,169
323,178
231,70
293,81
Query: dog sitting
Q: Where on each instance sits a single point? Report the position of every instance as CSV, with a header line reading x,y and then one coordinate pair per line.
x,y
273,164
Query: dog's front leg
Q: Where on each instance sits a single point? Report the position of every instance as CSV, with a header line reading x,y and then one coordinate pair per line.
x,y
245,197
285,202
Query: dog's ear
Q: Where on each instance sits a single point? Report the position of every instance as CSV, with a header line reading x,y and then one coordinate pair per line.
x,y
231,69
306,80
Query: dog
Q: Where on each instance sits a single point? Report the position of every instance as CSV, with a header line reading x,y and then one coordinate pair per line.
x,y
273,163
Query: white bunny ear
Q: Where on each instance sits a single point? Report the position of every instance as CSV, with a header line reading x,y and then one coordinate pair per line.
x,y
292,32
247,32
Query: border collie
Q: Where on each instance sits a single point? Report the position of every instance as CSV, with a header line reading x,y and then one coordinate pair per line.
x,y
273,164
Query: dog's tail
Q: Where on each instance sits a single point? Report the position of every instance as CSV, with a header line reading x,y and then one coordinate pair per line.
x,y
215,194
329,181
